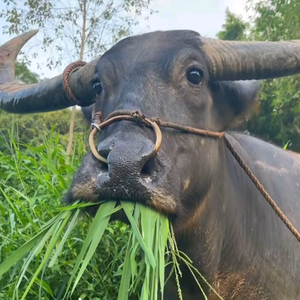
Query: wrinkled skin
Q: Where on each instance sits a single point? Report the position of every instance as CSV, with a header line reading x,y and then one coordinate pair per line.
x,y
221,221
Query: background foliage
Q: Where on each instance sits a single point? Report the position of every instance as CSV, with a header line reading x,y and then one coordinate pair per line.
x,y
278,120
63,24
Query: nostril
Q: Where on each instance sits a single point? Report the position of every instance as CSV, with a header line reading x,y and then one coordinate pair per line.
x,y
104,148
148,168
104,154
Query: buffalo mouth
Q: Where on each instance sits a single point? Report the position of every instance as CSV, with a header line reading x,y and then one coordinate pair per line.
x,y
95,182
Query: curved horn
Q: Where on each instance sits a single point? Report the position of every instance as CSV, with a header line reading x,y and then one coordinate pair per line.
x,y
44,96
8,54
235,60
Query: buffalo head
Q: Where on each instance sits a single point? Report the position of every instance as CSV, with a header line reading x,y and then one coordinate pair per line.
x,y
179,77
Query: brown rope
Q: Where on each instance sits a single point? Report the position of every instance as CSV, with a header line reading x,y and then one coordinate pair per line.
x,y
137,116
141,117
189,129
66,79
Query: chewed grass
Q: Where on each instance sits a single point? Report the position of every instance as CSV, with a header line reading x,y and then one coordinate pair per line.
x,y
151,246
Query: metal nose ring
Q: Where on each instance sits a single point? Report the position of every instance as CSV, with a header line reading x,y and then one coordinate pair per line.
x,y
97,126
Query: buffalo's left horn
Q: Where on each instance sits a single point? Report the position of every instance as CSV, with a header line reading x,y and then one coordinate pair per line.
x,y
243,60
44,96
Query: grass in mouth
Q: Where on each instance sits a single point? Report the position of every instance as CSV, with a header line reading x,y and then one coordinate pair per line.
x,y
151,238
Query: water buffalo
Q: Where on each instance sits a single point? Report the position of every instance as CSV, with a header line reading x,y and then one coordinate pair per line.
x,y
221,220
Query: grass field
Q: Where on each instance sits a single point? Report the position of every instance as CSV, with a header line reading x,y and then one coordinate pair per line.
x,y
32,182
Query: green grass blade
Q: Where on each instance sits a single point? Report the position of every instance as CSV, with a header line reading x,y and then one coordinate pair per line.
x,y
46,233
163,241
103,221
45,286
126,274
148,226
102,214
66,235
128,211
21,252
58,229
15,210
155,274
34,252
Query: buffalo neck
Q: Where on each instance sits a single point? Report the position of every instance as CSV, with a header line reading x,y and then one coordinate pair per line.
x,y
222,242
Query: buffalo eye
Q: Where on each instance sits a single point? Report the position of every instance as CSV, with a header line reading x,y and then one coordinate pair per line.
x,y
97,86
195,76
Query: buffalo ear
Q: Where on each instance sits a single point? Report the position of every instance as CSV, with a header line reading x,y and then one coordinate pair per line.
x,y
233,99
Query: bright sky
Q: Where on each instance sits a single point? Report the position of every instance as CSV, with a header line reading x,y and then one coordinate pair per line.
x,y
203,16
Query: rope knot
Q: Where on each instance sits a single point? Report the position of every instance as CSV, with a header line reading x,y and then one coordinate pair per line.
x,y
96,121
97,118
157,121
139,117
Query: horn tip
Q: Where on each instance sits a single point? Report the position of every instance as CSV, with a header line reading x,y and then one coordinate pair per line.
x,y
15,44
32,32
25,37
9,52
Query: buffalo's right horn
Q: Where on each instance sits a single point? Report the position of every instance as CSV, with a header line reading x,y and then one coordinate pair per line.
x,y
44,96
